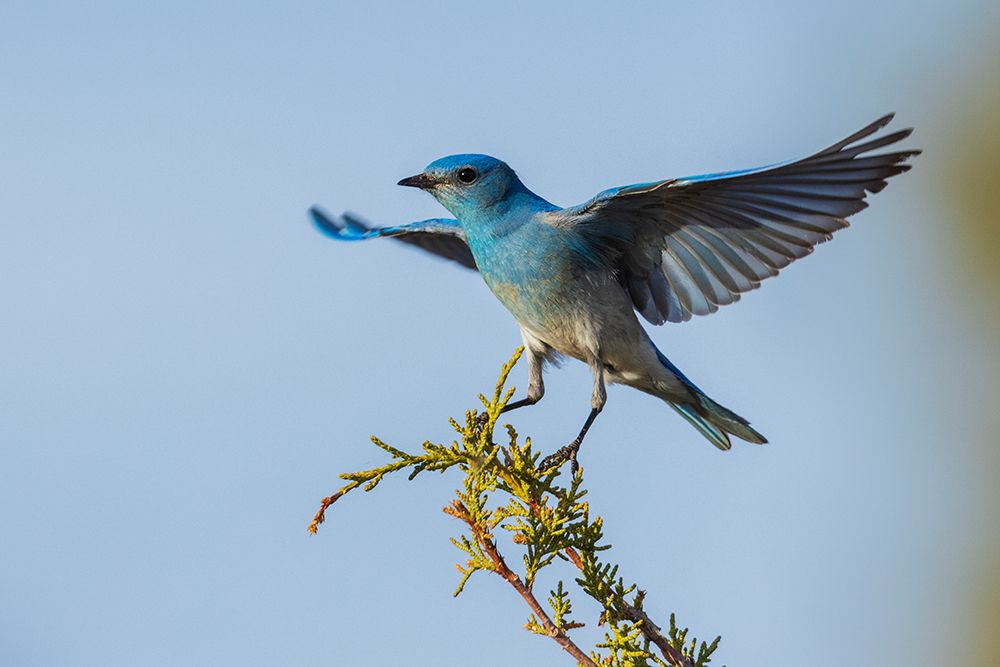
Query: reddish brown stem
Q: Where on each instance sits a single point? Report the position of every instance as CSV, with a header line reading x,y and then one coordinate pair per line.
x,y
647,627
321,514
500,567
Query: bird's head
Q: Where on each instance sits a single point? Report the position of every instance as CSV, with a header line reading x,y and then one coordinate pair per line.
x,y
465,184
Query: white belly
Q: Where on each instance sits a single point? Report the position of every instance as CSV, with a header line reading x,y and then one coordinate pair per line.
x,y
597,321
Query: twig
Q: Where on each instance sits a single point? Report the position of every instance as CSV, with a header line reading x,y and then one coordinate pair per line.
x,y
635,613
632,612
500,567
323,507
652,631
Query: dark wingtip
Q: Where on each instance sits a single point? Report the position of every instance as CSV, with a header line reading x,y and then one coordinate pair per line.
x,y
323,223
342,228
318,215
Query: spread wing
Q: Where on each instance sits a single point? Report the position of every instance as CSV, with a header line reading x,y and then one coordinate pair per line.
x,y
443,237
697,243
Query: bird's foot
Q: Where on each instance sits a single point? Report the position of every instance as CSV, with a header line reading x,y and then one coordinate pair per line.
x,y
560,456
482,419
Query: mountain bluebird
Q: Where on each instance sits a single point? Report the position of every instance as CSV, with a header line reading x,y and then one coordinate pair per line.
x,y
574,278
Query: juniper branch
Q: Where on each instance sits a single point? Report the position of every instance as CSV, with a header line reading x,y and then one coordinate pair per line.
x,y
549,522
556,631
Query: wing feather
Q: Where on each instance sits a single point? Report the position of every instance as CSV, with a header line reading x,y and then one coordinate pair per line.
x,y
443,237
699,242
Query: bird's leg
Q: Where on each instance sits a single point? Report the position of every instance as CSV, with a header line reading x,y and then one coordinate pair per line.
x,y
569,452
536,387
597,401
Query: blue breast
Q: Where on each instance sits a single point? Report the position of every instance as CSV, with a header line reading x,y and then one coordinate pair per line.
x,y
528,268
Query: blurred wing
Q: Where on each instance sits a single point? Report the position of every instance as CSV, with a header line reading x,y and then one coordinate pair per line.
x,y
699,242
440,236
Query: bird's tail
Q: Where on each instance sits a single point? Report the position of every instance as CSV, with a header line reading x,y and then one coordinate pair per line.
x,y
712,420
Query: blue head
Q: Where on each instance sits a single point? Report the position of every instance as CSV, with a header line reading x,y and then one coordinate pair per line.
x,y
469,184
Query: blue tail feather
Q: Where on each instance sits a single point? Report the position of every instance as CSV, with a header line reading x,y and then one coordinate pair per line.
x,y
712,420
714,434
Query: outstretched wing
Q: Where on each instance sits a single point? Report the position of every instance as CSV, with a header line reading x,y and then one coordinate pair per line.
x,y
698,243
440,236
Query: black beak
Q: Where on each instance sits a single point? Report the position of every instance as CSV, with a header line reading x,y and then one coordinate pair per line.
x,y
422,181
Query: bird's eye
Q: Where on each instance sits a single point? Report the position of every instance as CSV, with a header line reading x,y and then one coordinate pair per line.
x,y
467,175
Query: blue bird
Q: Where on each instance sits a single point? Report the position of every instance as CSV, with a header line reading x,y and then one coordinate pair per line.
x,y
574,278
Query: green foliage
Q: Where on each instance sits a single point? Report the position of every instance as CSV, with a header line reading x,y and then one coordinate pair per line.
x,y
551,523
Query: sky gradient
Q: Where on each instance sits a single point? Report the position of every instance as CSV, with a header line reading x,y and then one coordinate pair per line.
x,y
187,364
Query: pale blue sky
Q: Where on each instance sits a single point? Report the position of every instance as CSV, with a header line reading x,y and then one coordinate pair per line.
x,y
187,364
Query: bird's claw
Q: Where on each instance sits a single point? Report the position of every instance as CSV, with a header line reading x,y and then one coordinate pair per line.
x,y
560,456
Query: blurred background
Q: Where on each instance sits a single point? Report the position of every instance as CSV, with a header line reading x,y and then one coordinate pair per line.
x,y
186,365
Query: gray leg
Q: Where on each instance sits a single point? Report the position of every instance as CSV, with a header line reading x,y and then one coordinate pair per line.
x,y
597,401
536,387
